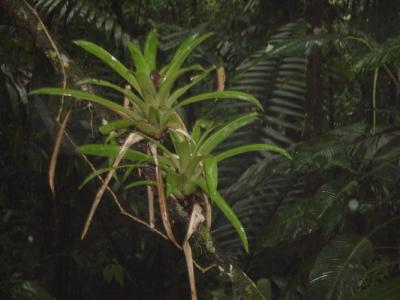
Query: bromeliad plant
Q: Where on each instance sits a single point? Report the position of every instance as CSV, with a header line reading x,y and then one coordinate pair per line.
x,y
150,113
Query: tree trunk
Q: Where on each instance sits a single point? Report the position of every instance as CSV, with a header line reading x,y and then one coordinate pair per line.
x,y
313,101
313,104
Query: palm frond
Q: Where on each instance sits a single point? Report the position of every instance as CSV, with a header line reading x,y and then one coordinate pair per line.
x,y
69,10
340,267
380,55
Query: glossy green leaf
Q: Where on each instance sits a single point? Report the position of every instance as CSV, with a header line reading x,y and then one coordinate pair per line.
x,y
112,151
135,100
167,83
150,50
148,89
182,149
140,183
85,96
93,175
225,95
228,212
231,216
198,126
169,155
172,181
181,91
99,172
115,125
249,148
220,135
183,52
111,61
211,172
141,65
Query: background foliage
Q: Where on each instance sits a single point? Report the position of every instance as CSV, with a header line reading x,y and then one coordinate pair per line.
x,y
323,226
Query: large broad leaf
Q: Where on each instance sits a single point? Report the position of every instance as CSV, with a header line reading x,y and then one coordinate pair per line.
x,y
389,290
249,148
380,56
111,61
225,95
290,223
150,50
340,268
220,135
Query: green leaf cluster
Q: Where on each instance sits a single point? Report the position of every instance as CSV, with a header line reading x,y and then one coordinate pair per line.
x,y
151,109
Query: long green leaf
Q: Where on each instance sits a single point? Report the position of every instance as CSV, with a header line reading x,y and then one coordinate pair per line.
x,y
183,52
93,175
198,127
179,92
182,148
220,135
211,172
115,125
135,100
111,61
150,50
98,172
139,61
148,89
139,183
85,96
248,148
112,151
168,82
227,95
228,212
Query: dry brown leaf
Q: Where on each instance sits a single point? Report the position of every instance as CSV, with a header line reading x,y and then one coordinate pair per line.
x,y
129,215
126,100
161,198
187,250
208,210
56,151
57,144
221,79
150,202
130,140
196,218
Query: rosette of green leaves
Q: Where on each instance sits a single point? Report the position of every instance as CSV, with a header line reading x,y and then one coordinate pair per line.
x,y
153,99
153,111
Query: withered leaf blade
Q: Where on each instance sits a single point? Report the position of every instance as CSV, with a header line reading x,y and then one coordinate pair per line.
x,y
130,140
